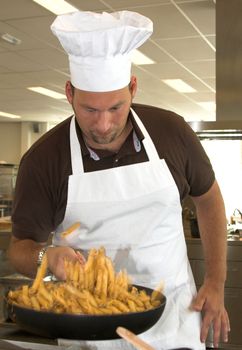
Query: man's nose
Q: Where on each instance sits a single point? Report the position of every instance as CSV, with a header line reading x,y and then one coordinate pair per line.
x,y
104,121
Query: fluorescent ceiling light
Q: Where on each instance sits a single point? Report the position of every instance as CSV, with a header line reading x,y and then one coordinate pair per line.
x,y
47,92
179,85
139,58
58,7
10,39
209,106
219,135
9,115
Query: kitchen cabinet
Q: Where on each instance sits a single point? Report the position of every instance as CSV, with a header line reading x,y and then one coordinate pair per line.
x,y
8,174
233,286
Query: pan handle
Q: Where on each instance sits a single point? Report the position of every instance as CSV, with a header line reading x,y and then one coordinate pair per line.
x,y
133,339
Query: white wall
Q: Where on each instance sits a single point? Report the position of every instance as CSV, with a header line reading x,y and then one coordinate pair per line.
x,y
16,138
10,142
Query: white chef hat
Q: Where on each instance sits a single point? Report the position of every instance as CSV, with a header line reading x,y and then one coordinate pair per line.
x,y
99,46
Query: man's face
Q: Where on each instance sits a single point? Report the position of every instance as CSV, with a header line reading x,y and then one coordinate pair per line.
x,y
102,116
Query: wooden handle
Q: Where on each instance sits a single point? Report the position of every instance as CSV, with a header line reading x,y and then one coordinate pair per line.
x,y
70,229
133,339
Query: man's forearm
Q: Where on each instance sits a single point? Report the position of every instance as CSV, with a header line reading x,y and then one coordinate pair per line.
x,y
210,296
23,255
212,227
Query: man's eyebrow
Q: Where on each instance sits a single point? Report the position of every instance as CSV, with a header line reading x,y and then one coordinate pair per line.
x,y
86,106
118,104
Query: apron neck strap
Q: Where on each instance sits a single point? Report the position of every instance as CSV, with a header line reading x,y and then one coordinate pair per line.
x,y
76,154
147,142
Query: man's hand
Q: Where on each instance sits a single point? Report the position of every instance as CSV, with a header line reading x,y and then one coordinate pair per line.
x,y
210,301
212,223
56,257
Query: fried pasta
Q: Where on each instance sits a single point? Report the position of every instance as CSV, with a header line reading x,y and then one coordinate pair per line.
x,y
93,289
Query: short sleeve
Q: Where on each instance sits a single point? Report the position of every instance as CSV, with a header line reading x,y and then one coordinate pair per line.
x,y
32,216
198,169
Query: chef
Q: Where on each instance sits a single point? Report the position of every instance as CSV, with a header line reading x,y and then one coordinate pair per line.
x,y
122,172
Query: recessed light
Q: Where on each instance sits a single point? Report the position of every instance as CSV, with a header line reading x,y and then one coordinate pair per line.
x,y
47,92
179,85
58,7
9,115
10,39
139,58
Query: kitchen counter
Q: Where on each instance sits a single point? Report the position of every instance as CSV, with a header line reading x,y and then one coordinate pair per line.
x,y
10,331
13,338
234,249
230,242
233,285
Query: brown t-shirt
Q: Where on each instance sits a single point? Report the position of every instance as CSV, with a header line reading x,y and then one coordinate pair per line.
x,y
41,187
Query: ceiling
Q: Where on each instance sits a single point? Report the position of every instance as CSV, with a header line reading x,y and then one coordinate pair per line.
x,y
182,46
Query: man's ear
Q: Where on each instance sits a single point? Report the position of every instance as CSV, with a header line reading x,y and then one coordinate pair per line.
x,y
69,92
133,86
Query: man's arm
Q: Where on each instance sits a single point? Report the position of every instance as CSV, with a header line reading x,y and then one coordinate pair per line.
x,y
23,255
210,298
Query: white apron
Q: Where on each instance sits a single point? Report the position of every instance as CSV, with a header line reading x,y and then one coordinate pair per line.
x,y
134,211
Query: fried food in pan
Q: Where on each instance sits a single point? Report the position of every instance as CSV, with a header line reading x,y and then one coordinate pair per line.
x,y
94,289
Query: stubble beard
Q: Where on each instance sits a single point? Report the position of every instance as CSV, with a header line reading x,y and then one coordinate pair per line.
x,y
103,140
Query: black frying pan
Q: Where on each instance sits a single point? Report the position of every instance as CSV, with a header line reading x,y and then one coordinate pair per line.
x,y
85,327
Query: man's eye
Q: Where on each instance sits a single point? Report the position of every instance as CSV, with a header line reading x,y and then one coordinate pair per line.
x,y
114,108
91,110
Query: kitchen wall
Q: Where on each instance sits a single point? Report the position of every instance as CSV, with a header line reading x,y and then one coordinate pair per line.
x,y
226,158
17,137
10,142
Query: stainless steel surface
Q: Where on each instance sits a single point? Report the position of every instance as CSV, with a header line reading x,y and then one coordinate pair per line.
x,y
8,174
233,286
11,338
11,334
10,331
6,345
